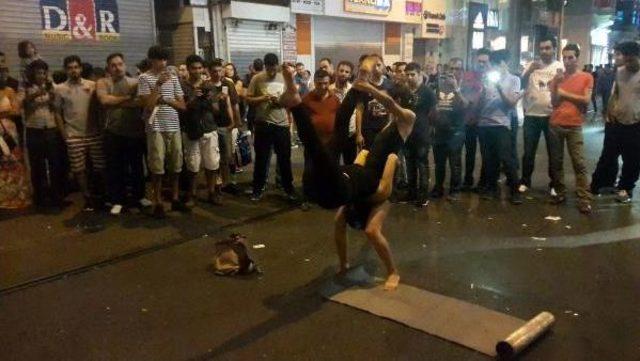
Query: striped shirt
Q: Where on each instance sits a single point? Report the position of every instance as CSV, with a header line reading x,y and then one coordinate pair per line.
x,y
166,116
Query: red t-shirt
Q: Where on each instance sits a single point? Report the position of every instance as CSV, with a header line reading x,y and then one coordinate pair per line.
x,y
567,113
323,113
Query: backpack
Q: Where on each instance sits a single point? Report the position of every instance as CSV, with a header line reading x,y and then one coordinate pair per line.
x,y
193,125
232,257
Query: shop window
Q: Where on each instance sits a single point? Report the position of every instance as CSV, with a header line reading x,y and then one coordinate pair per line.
x,y
477,40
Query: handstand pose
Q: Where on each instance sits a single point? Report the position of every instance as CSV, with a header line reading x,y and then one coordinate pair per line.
x,y
360,190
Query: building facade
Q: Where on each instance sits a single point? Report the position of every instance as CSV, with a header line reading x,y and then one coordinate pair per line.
x,y
89,28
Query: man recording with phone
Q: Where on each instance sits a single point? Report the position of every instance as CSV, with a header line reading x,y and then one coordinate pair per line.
x,y
271,127
500,93
225,98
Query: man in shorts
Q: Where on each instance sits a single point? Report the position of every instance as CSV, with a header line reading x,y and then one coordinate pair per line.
x,y
163,97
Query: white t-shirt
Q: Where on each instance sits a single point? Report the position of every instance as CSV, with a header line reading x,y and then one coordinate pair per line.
x,y
537,96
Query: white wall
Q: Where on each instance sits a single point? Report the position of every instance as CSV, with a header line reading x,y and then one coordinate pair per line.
x,y
253,11
397,13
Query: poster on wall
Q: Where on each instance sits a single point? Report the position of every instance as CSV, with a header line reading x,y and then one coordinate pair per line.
x,y
413,11
373,7
289,45
433,20
315,7
94,20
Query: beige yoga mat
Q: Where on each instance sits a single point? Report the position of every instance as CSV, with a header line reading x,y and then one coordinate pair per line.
x,y
469,325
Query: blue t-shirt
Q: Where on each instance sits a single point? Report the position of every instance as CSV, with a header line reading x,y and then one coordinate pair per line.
x,y
495,112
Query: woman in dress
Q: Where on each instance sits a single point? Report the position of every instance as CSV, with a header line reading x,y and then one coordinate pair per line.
x,y
14,182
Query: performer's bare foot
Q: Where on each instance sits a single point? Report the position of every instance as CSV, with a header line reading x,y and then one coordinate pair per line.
x,y
392,282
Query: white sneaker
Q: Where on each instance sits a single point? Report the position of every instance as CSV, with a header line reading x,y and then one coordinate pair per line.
x,y
145,203
553,192
116,210
523,188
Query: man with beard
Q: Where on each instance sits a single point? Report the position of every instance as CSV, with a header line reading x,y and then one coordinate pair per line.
x,y
75,99
416,149
123,135
371,115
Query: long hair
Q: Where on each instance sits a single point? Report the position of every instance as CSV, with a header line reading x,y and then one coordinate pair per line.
x,y
22,48
235,76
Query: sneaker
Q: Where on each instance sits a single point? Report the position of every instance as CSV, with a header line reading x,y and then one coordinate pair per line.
x,y
177,206
516,198
421,203
88,205
305,206
557,199
436,193
454,196
144,203
256,197
585,208
553,193
158,211
623,196
523,188
292,196
214,198
116,209
489,195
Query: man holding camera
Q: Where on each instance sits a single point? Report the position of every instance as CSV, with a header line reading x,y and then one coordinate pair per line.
x,y
500,93
200,138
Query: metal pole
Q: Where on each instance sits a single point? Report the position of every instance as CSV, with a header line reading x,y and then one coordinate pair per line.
x,y
561,30
211,27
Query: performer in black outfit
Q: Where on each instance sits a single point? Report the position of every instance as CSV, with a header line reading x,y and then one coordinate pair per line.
x,y
361,189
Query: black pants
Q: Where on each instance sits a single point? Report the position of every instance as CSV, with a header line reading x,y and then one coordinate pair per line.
x,y
531,130
514,140
628,137
369,136
124,166
46,153
334,185
607,168
619,140
451,151
470,146
267,137
416,154
496,144
348,151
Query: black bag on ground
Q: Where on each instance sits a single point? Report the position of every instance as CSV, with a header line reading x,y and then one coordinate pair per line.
x,y
232,257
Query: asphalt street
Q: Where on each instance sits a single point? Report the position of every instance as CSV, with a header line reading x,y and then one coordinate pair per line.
x,y
136,288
